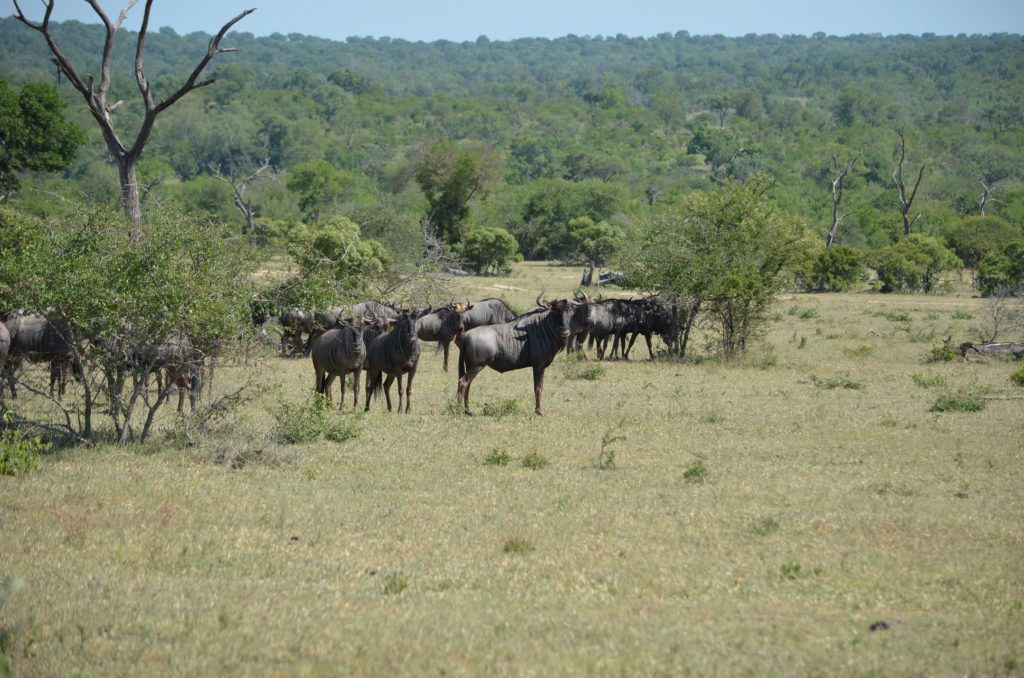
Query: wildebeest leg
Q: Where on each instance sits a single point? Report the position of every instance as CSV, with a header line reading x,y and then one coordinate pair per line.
x,y
625,352
408,389
195,387
371,377
58,377
387,389
355,388
447,344
465,381
538,386
650,349
341,387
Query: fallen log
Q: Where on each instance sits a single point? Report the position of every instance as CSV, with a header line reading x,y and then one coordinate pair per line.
x,y
1015,349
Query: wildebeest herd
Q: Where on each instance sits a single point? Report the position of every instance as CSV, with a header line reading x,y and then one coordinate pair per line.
x,y
384,342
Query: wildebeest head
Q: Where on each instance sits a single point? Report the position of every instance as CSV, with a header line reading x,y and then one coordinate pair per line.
x,y
569,316
453,319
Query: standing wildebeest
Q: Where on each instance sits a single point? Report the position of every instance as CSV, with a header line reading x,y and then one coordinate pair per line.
x,y
532,340
375,309
38,339
335,353
443,326
656,316
395,354
182,365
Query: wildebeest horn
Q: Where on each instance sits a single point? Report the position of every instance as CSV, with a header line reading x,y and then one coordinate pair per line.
x,y
540,298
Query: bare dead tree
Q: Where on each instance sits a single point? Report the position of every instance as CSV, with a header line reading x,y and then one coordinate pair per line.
x,y
238,185
897,177
986,197
96,96
841,172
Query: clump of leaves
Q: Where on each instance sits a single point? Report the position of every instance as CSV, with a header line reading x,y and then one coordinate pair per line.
x,y
498,457
961,314
929,381
575,367
395,583
964,401
1018,377
842,381
535,461
19,453
517,544
501,408
764,526
696,473
807,313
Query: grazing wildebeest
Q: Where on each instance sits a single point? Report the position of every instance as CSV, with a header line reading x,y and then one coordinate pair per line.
x,y
395,354
337,352
443,326
37,339
656,316
532,340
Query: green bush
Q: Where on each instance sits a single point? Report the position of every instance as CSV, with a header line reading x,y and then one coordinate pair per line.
x,y
535,461
696,473
837,269
964,401
942,354
1001,271
498,457
913,263
488,249
312,420
974,237
19,454
1018,377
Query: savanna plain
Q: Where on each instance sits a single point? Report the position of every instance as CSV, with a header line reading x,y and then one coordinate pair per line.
x,y
665,517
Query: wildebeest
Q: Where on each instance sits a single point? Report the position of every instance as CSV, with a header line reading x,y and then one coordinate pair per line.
x,y
396,354
532,340
181,364
5,347
375,309
656,316
443,326
39,340
335,353
294,324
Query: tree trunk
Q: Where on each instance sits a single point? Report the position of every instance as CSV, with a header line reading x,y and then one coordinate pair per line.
x,y
130,192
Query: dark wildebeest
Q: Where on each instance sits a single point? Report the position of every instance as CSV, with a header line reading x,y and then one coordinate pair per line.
x,y
39,340
532,340
656,316
335,353
395,354
294,324
375,309
602,325
443,326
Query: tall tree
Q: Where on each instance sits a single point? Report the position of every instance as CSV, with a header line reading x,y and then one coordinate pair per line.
x,y
96,96
450,175
897,176
841,172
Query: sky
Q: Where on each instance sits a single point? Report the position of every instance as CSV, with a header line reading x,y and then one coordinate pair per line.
x,y
461,20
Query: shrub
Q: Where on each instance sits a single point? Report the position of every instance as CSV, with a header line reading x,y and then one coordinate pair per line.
x,y
696,473
929,382
488,249
976,236
312,420
18,453
837,269
941,354
913,263
535,461
1018,377
395,583
1001,271
501,408
574,367
964,401
518,545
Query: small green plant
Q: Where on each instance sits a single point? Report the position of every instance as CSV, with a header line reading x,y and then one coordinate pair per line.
x,y
312,420
896,316
961,314
941,354
964,401
841,381
929,381
791,570
395,583
517,544
807,313
575,367
18,453
535,461
696,473
340,431
606,457
1018,377
452,407
803,343
764,526
501,408
498,457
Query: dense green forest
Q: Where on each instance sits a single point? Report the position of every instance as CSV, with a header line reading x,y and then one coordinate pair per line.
x,y
529,135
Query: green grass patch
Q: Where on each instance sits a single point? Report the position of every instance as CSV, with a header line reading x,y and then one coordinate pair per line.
x,y
502,408
696,473
765,525
929,381
396,583
862,351
1018,377
961,314
964,401
498,457
518,545
19,454
941,354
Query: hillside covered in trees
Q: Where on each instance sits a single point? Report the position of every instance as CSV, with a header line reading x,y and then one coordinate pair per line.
x,y
546,138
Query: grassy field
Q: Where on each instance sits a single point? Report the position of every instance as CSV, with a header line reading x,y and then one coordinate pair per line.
x,y
664,518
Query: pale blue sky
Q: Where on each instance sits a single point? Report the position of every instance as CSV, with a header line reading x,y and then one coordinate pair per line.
x,y
459,20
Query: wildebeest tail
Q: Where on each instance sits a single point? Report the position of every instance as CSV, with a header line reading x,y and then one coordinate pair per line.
x,y
378,384
462,358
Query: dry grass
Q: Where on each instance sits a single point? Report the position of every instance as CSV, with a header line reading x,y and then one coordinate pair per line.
x,y
819,512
